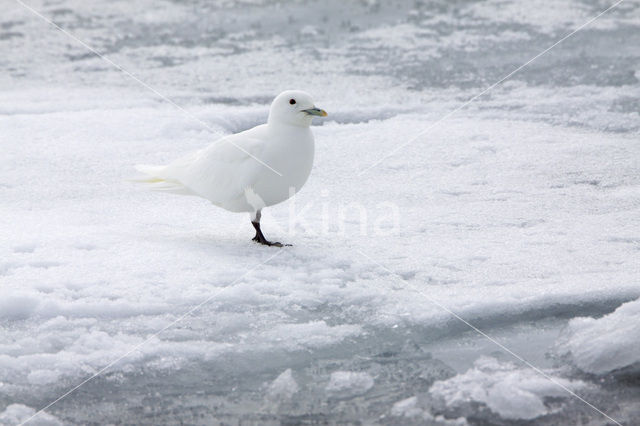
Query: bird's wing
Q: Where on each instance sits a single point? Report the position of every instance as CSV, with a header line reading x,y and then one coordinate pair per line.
x,y
222,171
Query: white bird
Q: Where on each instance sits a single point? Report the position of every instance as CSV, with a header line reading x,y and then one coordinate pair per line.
x,y
250,170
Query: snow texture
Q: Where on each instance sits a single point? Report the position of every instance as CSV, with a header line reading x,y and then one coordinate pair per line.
x,y
283,387
607,344
17,413
410,408
349,383
520,212
510,391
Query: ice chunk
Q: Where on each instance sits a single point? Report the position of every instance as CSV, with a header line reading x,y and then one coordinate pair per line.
x,y
309,30
283,387
18,413
17,306
407,407
606,344
349,383
410,408
508,390
43,377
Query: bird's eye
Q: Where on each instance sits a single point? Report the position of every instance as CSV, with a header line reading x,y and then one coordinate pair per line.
x,y
292,101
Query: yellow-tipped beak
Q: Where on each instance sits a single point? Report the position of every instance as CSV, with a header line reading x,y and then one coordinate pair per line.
x,y
315,111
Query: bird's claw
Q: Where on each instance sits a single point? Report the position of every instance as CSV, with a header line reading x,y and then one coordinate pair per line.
x,y
265,242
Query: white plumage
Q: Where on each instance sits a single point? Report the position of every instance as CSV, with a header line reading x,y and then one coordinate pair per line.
x,y
250,170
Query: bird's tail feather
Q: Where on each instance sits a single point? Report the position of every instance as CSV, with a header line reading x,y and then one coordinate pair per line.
x,y
154,181
152,173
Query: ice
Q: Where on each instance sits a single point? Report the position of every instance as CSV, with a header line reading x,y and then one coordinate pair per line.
x,y
546,15
16,413
349,383
283,387
409,408
607,344
509,391
520,213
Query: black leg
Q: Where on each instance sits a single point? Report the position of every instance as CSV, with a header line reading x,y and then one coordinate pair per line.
x,y
259,238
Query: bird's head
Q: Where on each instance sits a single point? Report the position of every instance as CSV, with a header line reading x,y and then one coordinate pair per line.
x,y
294,107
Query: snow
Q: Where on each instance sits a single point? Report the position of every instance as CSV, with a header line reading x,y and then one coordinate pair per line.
x,y
349,383
510,391
410,408
607,344
283,387
546,15
16,413
519,211
407,407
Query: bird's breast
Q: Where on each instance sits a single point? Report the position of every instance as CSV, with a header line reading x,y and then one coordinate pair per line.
x,y
291,155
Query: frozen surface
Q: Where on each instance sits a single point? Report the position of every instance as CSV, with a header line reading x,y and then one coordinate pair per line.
x,y
520,212
16,413
509,391
346,384
607,344
283,387
409,409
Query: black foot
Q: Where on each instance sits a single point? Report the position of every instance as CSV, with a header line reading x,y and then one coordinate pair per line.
x,y
260,239
264,241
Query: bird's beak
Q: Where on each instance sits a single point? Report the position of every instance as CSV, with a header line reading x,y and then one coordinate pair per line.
x,y
315,111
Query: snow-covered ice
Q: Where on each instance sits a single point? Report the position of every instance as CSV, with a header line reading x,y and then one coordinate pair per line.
x,y
607,344
510,391
17,413
409,408
520,213
349,383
